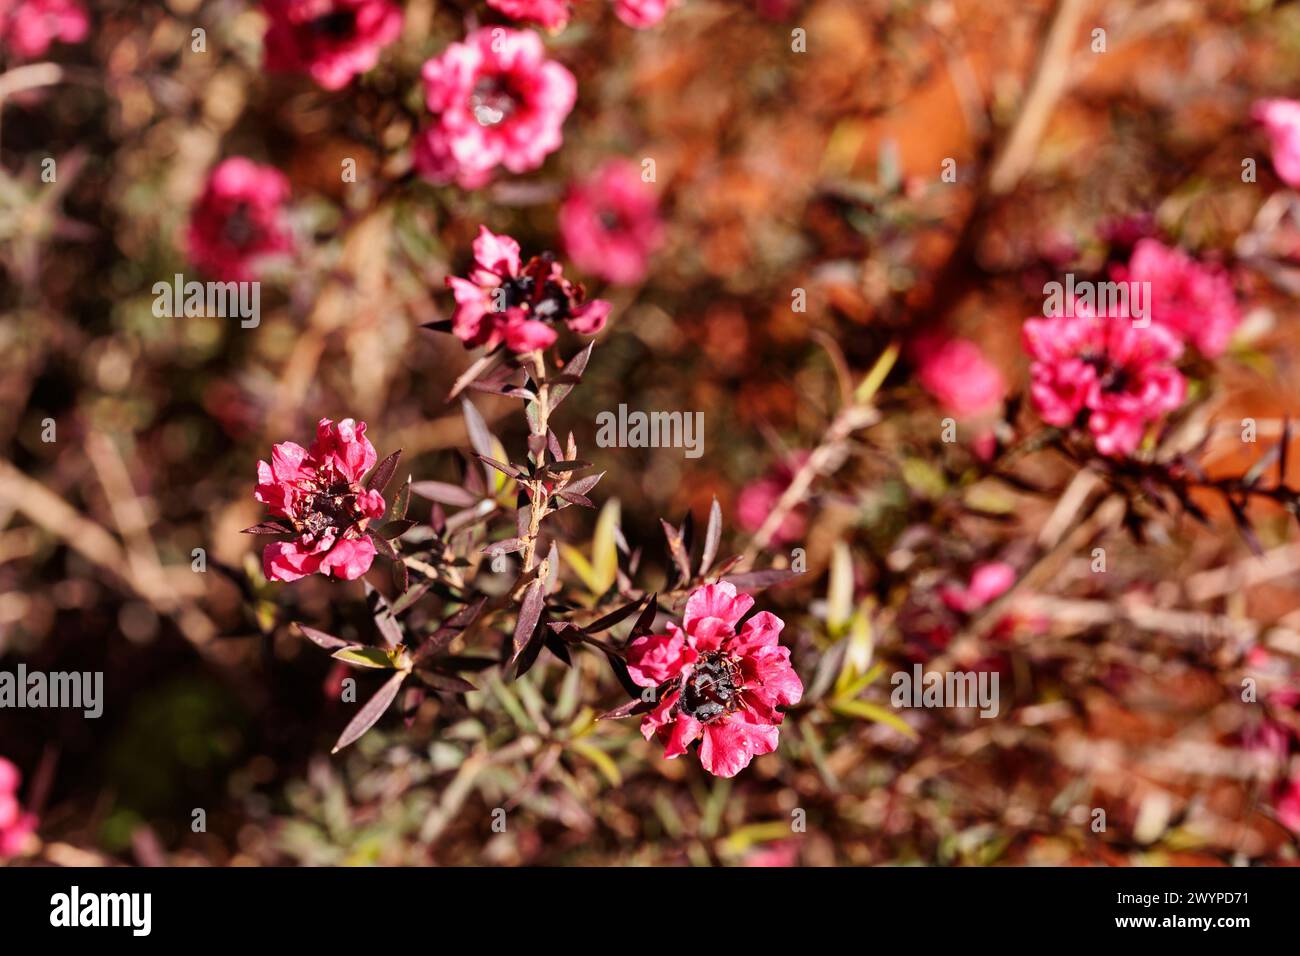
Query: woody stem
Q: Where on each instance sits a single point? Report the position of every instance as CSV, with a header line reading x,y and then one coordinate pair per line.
x,y
539,427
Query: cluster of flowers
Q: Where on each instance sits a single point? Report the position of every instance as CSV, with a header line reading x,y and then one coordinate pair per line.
x,y
714,679
30,27
496,100
1099,372
15,825
1103,373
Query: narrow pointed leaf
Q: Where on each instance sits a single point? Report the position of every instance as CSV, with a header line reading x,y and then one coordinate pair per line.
x,y
383,472
369,714
321,638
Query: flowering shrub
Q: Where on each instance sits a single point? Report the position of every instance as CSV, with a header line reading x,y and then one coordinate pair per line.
x,y
905,576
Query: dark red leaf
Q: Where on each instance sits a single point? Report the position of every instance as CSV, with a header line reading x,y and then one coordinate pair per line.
x,y
369,714
383,472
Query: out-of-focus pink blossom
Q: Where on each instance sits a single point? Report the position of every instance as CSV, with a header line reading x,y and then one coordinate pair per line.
x,y
497,101
716,684
610,223
757,499
1281,119
318,496
503,300
330,40
551,14
777,9
1193,299
15,825
779,854
988,582
239,220
958,375
641,13
1102,374
29,27
1287,804
1124,232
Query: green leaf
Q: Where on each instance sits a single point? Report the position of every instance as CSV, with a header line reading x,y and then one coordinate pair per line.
x,y
839,595
362,656
867,711
604,548
604,763
581,566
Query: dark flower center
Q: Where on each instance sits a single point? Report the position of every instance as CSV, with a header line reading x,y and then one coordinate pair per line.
x,y
550,301
334,507
711,691
239,228
1112,378
338,25
491,101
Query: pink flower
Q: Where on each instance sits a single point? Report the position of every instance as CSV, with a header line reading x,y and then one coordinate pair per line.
x,y
330,40
988,582
958,375
238,219
1194,300
780,853
714,684
610,224
497,101
316,496
1102,373
759,497
15,825
29,27
640,13
1281,119
1287,804
504,301
551,14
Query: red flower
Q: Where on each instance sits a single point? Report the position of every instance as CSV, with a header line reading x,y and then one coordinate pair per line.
x,y
28,27
498,102
1103,371
15,825
640,13
1193,299
956,373
988,582
504,301
715,684
610,224
238,219
331,40
1281,119
552,14
318,494
757,499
